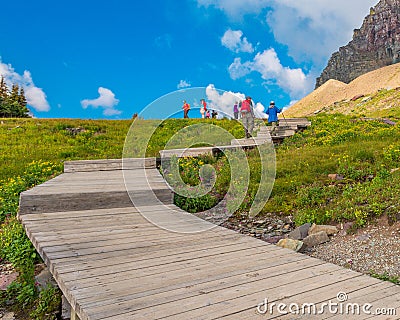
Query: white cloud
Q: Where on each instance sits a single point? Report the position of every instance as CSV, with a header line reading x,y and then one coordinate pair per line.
x,y
268,65
312,30
238,69
35,97
183,84
223,101
106,100
236,8
233,41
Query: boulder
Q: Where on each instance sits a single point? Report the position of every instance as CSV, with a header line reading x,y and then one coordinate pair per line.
x,y
44,278
300,232
295,245
330,230
8,316
274,239
316,238
335,176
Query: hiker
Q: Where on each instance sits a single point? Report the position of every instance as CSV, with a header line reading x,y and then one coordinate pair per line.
x,y
272,113
186,108
214,114
202,112
236,110
247,115
203,108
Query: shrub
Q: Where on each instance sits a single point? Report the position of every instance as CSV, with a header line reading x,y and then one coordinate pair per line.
x,y
48,304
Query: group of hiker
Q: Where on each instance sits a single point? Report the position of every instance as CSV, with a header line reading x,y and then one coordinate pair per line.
x,y
241,109
205,113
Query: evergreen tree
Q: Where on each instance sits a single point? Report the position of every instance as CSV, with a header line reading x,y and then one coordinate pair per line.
x,y
3,97
2,106
3,89
12,103
24,111
14,94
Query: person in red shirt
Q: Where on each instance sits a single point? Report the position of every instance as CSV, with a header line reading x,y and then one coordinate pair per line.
x,y
247,115
186,108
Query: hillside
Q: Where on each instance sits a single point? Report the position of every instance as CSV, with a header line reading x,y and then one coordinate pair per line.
x,y
336,96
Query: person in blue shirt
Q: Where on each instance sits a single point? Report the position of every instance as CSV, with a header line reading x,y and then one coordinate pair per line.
x,y
272,113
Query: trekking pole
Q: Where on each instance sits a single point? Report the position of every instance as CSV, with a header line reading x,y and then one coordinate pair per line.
x,y
284,118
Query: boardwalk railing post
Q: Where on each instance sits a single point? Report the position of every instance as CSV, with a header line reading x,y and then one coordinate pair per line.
x,y
74,316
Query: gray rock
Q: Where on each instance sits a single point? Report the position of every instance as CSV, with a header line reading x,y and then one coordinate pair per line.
x,y
363,237
295,245
300,232
7,316
44,278
335,176
330,230
273,239
65,309
316,238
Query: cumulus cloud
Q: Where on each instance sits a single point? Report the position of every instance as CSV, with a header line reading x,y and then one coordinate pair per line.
x,y
35,97
311,30
268,65
233,41
106,100
236,8
223,101
183,84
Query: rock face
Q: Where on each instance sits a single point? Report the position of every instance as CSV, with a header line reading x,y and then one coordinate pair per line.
x,y
375,45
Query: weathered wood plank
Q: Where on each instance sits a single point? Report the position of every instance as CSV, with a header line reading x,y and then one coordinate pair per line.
x,y
109,164
193,290
212,283
230,300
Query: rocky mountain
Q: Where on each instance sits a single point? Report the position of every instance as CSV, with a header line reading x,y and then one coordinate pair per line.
x,y
376,44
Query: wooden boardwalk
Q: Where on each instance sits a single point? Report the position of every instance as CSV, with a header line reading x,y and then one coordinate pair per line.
x,y
111,262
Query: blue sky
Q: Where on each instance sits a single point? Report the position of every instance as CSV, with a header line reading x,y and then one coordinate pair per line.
x,y
111,59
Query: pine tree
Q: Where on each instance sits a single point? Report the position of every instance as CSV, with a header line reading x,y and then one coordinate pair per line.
x,y
14,94
12,103
24,111
3,89
3,97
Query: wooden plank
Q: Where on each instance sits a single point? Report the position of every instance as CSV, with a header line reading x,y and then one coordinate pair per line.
x,y
220,302
149,258
92,268
387,298
323,295
212,283
232,306
109,164
161,268
141,250
85,201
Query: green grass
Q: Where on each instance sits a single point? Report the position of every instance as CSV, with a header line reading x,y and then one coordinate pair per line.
x,y
25,140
